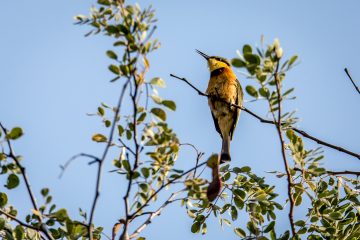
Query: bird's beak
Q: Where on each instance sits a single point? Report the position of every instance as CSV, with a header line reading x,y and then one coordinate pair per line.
x,y
203,54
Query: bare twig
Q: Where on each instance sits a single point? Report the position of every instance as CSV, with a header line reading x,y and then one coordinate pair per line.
x,y
303,133
13,156
66,165
345,172
352,81
198,154
163,186
152,215
287,169
102,160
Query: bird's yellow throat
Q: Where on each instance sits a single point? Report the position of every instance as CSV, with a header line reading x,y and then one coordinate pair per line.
x,y
215,64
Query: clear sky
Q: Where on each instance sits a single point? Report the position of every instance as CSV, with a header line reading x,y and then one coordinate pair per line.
x,y
51,76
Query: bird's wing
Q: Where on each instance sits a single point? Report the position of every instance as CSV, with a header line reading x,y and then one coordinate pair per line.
x,y
216,123
238,101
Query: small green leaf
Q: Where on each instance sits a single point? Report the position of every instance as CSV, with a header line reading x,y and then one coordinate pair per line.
x,y
236,62
111,54
269,227
12,181
101,111
240,232
114,69
19,232
44,192
251,91
195,228
264,91
169,104
145,172
159,113
141,118
158,82
292,60
120,130
3,199
15,133
234,213
335,216
247,49
99,138
245,169
300,223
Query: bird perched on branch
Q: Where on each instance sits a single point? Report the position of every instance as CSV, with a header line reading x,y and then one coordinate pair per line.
x,y
223,89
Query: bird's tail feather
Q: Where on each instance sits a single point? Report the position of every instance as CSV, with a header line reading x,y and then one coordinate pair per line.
x,y
225,150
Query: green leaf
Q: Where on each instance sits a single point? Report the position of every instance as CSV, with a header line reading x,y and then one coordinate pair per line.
x,y
111,54
141,118
3,199
195,228
159,113
251,91
158,82
19,232
240,232
114,69
99,138
61,215
247,49
12,181
300,223
234,213
236,62
264,91
269,227
15,133
169,104
292,60
145,172
252,58
44,192
245,169
101,111
335,216
120,130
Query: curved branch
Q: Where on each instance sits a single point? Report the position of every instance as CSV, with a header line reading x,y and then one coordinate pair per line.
x,y
102,160
352,81
303,133
12,155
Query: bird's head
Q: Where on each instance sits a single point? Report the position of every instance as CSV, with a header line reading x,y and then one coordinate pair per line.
x,y
215,62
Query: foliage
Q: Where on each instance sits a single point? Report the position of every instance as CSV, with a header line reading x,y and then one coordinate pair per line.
x,y
148,148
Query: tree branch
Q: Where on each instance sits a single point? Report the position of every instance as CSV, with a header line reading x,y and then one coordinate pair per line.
x,y
66,165
152,215
163,186
352,81
345,172
303,133
19,221
287,169
12,155
102,160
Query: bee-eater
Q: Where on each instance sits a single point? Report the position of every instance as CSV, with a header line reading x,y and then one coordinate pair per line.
x,y
224,85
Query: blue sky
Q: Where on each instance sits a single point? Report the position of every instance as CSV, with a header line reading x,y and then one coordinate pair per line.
x,y
51,76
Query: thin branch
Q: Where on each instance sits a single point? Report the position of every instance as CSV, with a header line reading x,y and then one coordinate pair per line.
x,y
352,81
27,183
163,186
279,130
102,160
152,215
345,172
67,164
19,221
198,154
303,133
